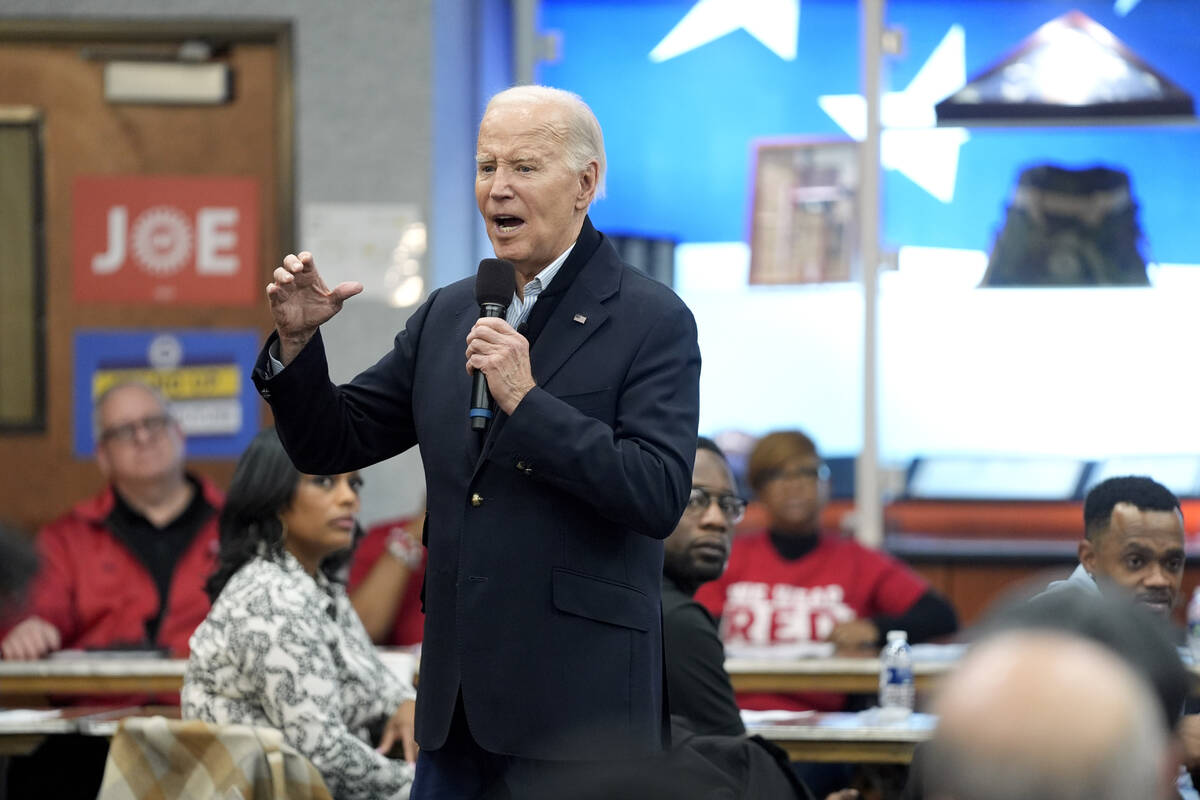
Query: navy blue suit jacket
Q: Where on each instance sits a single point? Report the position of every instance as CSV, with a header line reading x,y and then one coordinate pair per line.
x,y
542,591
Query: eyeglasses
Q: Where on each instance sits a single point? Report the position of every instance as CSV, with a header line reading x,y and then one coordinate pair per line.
x,y
153,426
732,506
818,473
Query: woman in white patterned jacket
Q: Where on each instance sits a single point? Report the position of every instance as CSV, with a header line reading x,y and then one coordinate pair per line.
x,y
282,646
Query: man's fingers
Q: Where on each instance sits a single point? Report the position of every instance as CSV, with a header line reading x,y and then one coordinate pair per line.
x,y
53,638
24,645
475,362
39,638
498,325
298,263
344,291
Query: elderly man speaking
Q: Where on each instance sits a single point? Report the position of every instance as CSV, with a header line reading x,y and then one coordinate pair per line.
x,y
543,641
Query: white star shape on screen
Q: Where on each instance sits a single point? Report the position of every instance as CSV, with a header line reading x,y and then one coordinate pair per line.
x,y
775,23
911,144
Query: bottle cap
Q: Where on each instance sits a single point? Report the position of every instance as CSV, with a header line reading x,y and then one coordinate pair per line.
x,y
894,635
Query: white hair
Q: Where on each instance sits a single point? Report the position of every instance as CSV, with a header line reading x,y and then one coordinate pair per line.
x,y
1009,738
582,139
128,383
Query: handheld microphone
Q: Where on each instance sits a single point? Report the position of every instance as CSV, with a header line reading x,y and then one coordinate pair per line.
x,y
495,284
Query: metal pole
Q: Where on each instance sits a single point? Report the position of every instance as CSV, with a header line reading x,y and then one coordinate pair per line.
x,y
525,40
868,501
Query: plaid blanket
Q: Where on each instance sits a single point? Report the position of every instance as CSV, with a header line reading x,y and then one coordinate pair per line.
x,y
155,758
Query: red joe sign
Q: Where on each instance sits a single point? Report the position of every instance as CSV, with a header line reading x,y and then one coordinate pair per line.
x,y
173,240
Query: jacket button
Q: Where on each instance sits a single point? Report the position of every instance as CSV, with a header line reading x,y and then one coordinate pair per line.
x,y
266,393
521,466
476,500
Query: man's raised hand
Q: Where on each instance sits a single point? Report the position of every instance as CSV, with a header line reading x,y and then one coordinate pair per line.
x,y
301,302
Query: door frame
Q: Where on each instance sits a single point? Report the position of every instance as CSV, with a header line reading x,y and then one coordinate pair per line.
x,y
276,32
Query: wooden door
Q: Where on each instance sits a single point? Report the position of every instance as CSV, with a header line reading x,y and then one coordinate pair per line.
x,y
57,69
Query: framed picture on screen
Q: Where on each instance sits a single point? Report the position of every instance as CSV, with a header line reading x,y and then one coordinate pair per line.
x,y
804,214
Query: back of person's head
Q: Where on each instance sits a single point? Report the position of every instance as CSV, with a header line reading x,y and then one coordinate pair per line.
x,y
1123,626
1048,715
263,485
1138,491
773,451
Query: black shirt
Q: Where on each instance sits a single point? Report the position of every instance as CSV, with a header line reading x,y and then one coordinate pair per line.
x,y
159,549
698,686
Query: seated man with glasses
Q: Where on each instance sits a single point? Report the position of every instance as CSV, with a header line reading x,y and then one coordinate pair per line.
x,y
696,551
126,568
794,584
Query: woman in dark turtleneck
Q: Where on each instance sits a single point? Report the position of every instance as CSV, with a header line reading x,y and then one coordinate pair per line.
x,y
794,584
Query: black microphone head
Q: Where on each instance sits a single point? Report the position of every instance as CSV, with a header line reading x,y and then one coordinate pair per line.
x,y
495,282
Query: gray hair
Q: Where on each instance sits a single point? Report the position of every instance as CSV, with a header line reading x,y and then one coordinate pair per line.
x,y
1001,748
129,383
583,139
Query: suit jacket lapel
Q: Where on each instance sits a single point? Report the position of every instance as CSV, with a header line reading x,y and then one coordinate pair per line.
x,y
578,316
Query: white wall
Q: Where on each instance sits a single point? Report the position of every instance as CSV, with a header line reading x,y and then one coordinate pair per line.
x,y
1083,373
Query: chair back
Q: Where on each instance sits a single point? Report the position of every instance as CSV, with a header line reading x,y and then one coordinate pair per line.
x,y
156,757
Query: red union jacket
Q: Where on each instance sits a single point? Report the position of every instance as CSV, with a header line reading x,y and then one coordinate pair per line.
x,y
98,594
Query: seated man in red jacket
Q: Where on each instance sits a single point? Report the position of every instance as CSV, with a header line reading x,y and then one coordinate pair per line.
x,y
126,568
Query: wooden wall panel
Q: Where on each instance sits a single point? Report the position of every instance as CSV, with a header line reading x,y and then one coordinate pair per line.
x,y
975,587
86,135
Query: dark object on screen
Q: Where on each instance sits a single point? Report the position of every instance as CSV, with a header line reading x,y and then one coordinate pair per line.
x,y
1069,227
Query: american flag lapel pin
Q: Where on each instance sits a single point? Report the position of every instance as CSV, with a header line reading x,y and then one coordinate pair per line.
x,y
580,318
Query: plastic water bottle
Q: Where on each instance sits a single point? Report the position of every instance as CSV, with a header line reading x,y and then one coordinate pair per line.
x,y
1193,625
896,691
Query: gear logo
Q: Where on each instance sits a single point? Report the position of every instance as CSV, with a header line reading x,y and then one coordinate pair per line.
x,y
162,240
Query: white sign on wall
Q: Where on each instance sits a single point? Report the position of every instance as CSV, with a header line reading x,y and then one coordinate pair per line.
x,y
381,245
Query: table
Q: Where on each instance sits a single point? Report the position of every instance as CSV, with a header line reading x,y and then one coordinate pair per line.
x,y
845,737
856,674
114,674
128,675
92,675
22,730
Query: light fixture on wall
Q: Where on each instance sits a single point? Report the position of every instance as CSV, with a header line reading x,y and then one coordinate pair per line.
x,y
157,75
1072,69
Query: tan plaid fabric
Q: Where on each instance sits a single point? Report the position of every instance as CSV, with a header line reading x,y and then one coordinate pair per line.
x,y
155,758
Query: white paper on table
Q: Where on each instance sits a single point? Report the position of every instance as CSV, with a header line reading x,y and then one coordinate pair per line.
x,y
782,652
938,652
750,718
21,716
877,717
